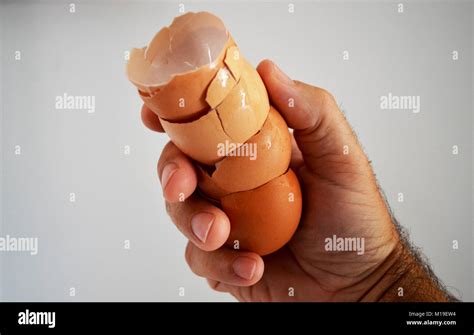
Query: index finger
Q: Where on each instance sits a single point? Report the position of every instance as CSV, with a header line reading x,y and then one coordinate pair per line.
x,y
151,120
177,174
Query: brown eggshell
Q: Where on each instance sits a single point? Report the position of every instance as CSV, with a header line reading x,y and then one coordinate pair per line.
x,y
198,139
193,76
137,67
234,121
240,171
192,41
209,186
226,78
184,97
245,108
173,72
234,61
220,87
264,219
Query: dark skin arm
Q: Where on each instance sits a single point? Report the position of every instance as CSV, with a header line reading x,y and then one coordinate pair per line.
x,y
341,197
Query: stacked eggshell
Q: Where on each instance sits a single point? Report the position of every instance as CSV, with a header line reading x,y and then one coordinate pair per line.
x,y
214,106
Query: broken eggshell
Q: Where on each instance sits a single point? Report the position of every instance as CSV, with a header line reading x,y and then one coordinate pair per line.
x,y
193,76
220,87
174,71
264,219
239,116
198,139
265,156
245,108
226,78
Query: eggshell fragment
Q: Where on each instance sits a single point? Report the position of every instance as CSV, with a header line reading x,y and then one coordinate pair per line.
x,y
208,186
264,219
184,97
220,87
206,95
234,61
174,71
245,107
226,78
240,115
265,156
193,40
199,139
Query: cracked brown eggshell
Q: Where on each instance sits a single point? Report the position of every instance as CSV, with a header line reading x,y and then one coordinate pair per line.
x,y
240,171
239,116
245,108
264,219
220,87
193,76
173,72
226,78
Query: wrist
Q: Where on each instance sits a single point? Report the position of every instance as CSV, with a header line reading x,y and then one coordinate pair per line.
x,y
404,277
382,284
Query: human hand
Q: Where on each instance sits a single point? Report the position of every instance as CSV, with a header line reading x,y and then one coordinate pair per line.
x,y
341,199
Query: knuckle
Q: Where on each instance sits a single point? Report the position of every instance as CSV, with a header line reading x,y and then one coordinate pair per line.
x,y
169,208
214,284
188,256
168,150
326,97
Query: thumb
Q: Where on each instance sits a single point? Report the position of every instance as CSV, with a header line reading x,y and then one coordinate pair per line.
x,y
329,147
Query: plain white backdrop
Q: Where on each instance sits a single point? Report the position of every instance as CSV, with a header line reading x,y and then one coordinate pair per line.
x,y
118,196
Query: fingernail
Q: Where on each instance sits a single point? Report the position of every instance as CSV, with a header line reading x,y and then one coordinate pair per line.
x,y
244,267
201,224
167,173
281,76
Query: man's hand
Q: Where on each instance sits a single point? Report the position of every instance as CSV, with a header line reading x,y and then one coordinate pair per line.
x,y
341,200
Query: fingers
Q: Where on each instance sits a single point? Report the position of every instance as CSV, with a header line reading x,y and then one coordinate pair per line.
x,y
321,131
151,120
177,174
202,223
205,225
219,286
227,266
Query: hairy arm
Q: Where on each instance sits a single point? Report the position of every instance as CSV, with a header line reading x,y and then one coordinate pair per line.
x,y
406,276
